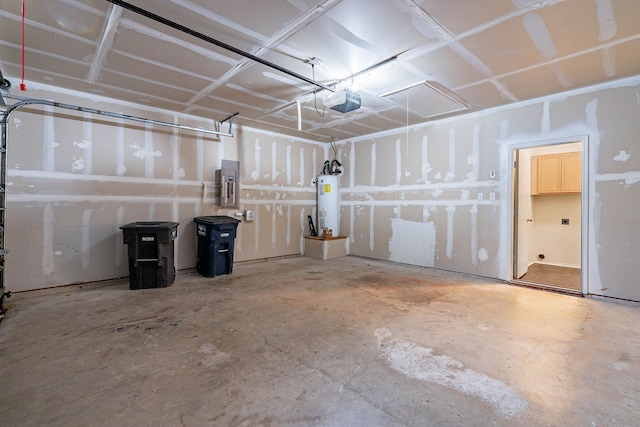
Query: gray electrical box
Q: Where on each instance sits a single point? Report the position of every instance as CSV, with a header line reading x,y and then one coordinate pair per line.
x,y
228,177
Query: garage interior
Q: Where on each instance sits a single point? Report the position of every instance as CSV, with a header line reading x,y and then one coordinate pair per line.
x,y
474,142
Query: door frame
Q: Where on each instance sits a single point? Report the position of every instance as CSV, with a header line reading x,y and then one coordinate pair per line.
x,y
584,217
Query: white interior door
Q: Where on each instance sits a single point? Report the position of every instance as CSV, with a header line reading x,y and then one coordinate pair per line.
x,y
523,211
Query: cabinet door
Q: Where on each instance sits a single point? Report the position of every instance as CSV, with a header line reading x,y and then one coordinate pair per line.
x,y
572,173
549,174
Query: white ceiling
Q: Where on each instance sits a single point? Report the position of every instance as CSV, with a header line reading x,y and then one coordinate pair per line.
x,y
472,54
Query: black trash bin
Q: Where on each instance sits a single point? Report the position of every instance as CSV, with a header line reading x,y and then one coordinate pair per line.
x,y
216,235
150,253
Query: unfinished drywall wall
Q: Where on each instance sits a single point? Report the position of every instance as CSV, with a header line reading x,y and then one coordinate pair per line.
x,y
440,194
75,178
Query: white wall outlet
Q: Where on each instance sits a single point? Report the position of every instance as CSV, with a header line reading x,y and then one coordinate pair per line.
x,y
249,215
492,174
492,196
480,196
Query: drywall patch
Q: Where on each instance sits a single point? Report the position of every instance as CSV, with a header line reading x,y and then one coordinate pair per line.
x,y
545,123
609,61
373,164
301,167
474,234
412,242
473,159
48,142
540,35
420,363
451,174
78,165
48,223
623,156
255,175
274,162
562,76
119,243
606,20
398,161
451,210
144,153
85,239
120,167
426,167
482,255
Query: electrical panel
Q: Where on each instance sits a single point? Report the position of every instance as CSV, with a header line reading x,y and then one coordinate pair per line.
x,y
228,177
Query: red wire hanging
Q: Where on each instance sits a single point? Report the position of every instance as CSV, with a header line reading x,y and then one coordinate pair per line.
x,y
23,86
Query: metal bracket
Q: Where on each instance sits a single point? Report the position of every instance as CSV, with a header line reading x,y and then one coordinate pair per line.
x,y
230,119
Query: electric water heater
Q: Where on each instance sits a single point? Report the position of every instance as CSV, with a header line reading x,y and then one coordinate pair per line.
x,y
328,204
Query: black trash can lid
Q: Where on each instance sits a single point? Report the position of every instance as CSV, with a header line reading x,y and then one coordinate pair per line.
x,y
142,225
215,220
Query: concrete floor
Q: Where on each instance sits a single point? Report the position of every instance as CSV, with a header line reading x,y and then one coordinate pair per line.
x,y
300,341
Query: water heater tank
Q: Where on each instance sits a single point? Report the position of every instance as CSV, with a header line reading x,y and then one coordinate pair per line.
x,y
328,200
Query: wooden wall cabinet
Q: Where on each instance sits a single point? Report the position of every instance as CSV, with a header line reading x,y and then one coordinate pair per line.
x,y
556,173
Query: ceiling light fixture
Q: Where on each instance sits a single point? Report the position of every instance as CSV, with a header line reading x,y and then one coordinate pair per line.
x,y
343,101
436,87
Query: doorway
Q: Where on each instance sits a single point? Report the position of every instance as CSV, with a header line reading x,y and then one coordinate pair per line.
x,y
548,216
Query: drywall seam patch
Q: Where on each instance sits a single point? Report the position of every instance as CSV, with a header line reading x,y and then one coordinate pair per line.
x,y
151,211
274,161
473,159
626,178
474,234
606,20
256,234
545,121
48,226
352,165
426,167
288,233
220,153
274,234
372,216
352,220
87,145
609,61
398,161
451,210
288,164
303,227
301,182
85,239
120,165
255,175
451,174
119,237
49,141
314,163
199,157
561,75
373,164
175,142
539,34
